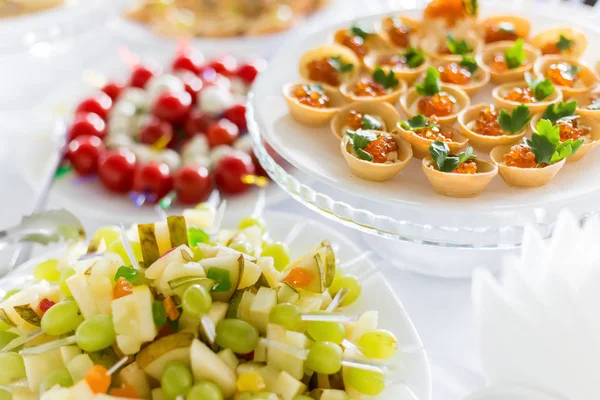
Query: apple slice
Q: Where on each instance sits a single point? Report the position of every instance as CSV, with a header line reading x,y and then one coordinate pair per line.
x,y
152,358
226,271
206,365
182,254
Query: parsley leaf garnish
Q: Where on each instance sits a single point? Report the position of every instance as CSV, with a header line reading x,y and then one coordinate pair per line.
x,y
595,105
469,63
514,56
313,87
419,121
515,121
358,31
564,43
545,144
431,83
370,122
131,274
359,140
541,88
388,80
439,152
459,47
338,64
414,57
557,111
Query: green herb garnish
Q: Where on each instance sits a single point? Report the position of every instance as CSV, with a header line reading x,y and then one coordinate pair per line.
x,y
431,83
358,31
595,105
563,43
131,274
439,152
414,57
417,122
555,112
359,140
339,65
370,122
514,56
546,145
158,313
197,235
469,63
541,88
515,121
388,80
458,47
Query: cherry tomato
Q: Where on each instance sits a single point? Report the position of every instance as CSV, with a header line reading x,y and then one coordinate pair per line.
x,y
230,170
196,122
187,62
193,184
99,104
154,179
172,107
193,85
89,124
225,65
247,72
141,75
83,153
116,169
222,132
113,90
156,129
237,115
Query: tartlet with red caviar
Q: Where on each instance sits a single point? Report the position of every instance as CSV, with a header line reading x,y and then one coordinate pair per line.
x,y
379,86
535,93
562,41
507,61
365,115
571,76
499,28
313,103
331,64
406,64
421,132
465,74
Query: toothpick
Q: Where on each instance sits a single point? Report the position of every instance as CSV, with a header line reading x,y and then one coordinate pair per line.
x,y
128,248
259,206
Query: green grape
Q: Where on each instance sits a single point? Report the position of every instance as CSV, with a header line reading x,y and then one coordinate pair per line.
x,y
10,293
6,338
64,275
280,253
242,247
95,333
196,300
322,331
335,283
61,318
346,282
205,391
5,395
378,344
324,358
109,233
366,382
176,379
253,221
13,368
237,335
59,376
47,271
286,315
118,248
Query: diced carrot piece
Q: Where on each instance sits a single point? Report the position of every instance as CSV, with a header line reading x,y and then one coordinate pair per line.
x,y
122,288
126,391
98,379
298,277
170,308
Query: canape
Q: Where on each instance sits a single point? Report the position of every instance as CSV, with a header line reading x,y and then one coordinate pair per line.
x,y
313,103
421,132
455,15
535,93
407,65
462,175
398,32
572,126
588,104
359,40
452,48
465,74
564,41
500,28
507,61
331,64
535,162
375,155
432,99
487,126
571,76
365,115
379,86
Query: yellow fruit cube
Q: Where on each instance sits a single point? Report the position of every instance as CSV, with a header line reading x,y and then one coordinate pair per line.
x,y
251,382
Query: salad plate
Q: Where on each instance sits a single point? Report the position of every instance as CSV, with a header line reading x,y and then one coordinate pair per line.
x,y
414,381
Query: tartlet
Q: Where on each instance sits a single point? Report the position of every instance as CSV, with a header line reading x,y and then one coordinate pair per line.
x,y
486,57
343,62
402,38
376,171
432,46
478,79
358,40
466,122
524,177
390,88
499,95
313,116
383,112
585,101
382,58
420,144
564,41
409,101
499,28
459,185
585,80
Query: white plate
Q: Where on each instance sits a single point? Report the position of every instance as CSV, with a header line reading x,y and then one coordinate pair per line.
x,y
377,294
316,152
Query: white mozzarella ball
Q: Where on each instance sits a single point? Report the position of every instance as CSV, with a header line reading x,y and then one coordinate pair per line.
x,y
218,153
215,100
238,86
118,141
160,84
143,153
137,96
169,157
203,161
244,143
198,145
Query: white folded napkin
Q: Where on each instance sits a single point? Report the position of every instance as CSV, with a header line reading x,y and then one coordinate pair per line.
x,y
539,324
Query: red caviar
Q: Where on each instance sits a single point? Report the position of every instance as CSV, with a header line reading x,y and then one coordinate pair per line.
x,y
381,148
440,104
323,71
455,74
498,31
487,122
310,97
399,33
367,87
520,95
468,167
550,48
561,74
393,61
435,133
451,10
520,156
354,43
499,63
572,130
354,121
